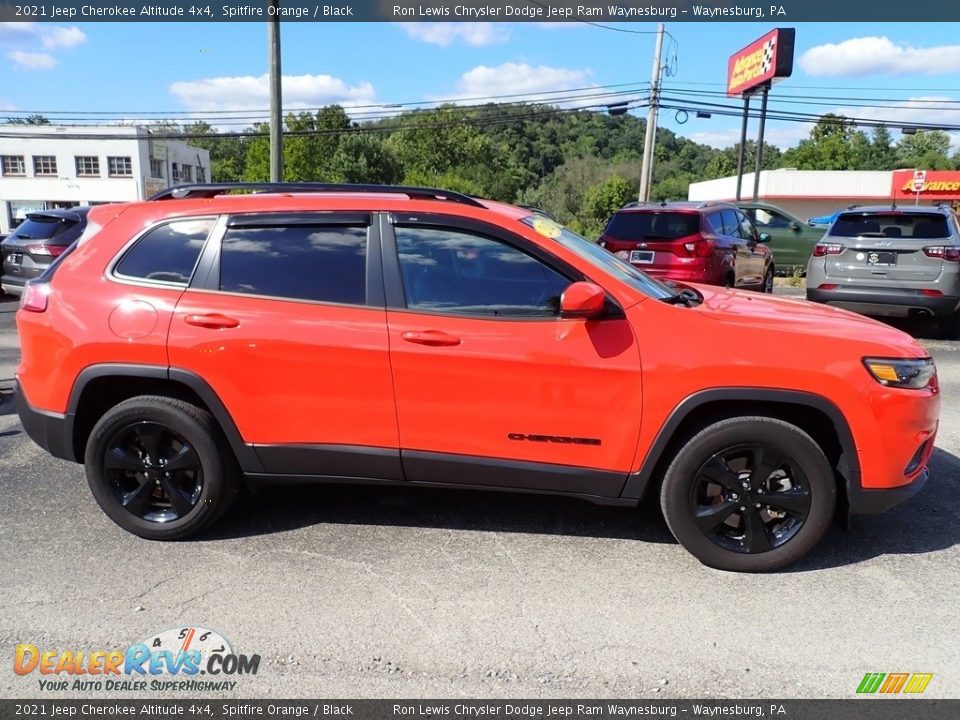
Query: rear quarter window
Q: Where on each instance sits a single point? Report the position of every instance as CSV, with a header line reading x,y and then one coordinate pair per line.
x,y
167,253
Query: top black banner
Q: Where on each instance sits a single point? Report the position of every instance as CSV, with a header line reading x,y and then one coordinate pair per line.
x,y
785,11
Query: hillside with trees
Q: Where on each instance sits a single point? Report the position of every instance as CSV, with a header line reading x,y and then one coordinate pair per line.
x,y
577,165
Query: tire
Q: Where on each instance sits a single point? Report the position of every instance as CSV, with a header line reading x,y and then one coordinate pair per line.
x,y
160,504
767,286
949,326
799,477
729,282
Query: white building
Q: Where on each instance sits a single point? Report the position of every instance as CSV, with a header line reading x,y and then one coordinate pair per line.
x,y
53,166
812,193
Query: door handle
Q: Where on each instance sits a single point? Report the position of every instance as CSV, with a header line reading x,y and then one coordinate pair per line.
x,y
433,338
214,321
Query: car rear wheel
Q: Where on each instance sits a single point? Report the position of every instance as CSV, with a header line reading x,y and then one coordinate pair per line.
x,y
749,494
160,468
768,281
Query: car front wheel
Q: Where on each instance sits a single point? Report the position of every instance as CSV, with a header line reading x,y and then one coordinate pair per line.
x,y
749,494
160,468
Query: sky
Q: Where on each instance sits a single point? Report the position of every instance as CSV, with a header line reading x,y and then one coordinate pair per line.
x,y
900,73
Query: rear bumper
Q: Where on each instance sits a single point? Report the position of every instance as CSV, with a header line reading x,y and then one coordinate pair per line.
x,y
13,284
884,301
870,502
51,431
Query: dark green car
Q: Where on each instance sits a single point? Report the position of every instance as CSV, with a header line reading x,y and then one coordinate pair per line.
x,y
793,239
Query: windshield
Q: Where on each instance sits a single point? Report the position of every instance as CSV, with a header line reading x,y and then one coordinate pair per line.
x,y
919,226
652,224
599,258
39,227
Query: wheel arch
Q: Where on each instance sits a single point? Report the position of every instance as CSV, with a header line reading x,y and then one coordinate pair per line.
x,y
816,415
100,387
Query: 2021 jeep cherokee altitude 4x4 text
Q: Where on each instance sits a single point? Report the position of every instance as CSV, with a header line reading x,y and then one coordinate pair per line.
x,y
421,337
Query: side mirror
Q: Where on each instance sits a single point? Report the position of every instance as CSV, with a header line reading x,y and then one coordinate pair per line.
x,y
795,226
583,300
765,237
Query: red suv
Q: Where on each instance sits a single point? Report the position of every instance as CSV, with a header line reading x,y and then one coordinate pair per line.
x,y
709,243
407,336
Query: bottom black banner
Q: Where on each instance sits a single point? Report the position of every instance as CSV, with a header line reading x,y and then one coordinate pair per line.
x,y
858,709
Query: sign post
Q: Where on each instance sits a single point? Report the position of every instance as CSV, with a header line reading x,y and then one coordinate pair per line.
x,y
756,67
919,181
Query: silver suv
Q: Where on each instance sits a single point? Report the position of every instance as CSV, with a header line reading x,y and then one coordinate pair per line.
x,y
893,262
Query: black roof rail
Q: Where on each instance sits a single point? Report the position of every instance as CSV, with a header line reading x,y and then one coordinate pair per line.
x,y
209,190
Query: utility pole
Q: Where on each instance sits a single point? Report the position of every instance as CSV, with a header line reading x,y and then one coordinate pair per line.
x,y
646,168
763,119
276,105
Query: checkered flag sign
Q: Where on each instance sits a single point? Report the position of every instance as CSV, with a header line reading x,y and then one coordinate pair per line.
x,y
769,50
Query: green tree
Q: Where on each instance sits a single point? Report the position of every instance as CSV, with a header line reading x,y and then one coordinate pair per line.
x,y
364,158
603,200
924,150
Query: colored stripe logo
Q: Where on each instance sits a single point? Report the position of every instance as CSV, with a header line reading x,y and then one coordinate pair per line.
x,y
894,683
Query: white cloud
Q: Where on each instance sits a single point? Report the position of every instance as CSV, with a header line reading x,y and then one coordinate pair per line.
x,y
247,92
50,36
31,60
440,33
879,55
66,37
525,81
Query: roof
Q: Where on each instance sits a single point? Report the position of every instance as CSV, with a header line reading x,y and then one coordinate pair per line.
x,y
680,205
902,209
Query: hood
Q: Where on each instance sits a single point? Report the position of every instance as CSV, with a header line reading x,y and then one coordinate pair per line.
x,y
792,317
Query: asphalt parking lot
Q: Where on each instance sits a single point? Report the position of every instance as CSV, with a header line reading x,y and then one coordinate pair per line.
x,y
421,593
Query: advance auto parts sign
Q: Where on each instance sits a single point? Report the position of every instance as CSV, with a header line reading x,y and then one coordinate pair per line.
x,y
938,185
765,60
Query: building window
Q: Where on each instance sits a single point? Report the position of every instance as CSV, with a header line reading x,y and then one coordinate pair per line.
x,y
201,174
175,173
44,165
88,166
187,172
156,168
119,167
12,165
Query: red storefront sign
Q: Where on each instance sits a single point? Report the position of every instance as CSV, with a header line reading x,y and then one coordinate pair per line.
x,y
765,60
937,185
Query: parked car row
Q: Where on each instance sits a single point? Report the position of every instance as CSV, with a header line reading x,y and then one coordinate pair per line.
x,y
883,261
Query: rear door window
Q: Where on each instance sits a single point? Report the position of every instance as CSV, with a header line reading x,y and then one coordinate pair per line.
x,y
907,226
653,225
321,263
731,223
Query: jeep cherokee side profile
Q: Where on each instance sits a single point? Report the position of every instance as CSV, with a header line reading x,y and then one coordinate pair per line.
x,y
423,337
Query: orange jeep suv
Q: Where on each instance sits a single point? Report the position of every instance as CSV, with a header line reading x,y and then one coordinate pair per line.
x,y
223,334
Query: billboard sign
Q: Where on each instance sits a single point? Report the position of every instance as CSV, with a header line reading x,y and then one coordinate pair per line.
x,y
765,60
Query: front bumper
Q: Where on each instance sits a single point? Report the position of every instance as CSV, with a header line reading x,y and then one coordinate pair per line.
x,y
893,302
862,501
51,431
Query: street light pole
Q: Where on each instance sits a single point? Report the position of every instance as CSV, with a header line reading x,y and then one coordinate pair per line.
x,y
646,167
276,105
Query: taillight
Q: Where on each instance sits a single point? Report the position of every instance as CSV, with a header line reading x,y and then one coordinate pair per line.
x,y
827,286
931,293
51,250
34,297
821,249
950,253
701,248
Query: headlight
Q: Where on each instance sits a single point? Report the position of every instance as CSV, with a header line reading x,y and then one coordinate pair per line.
x,y
902,373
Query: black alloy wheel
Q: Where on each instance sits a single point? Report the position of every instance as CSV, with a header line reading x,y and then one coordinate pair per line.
x,y
155,473
160,467
750,498
749,494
